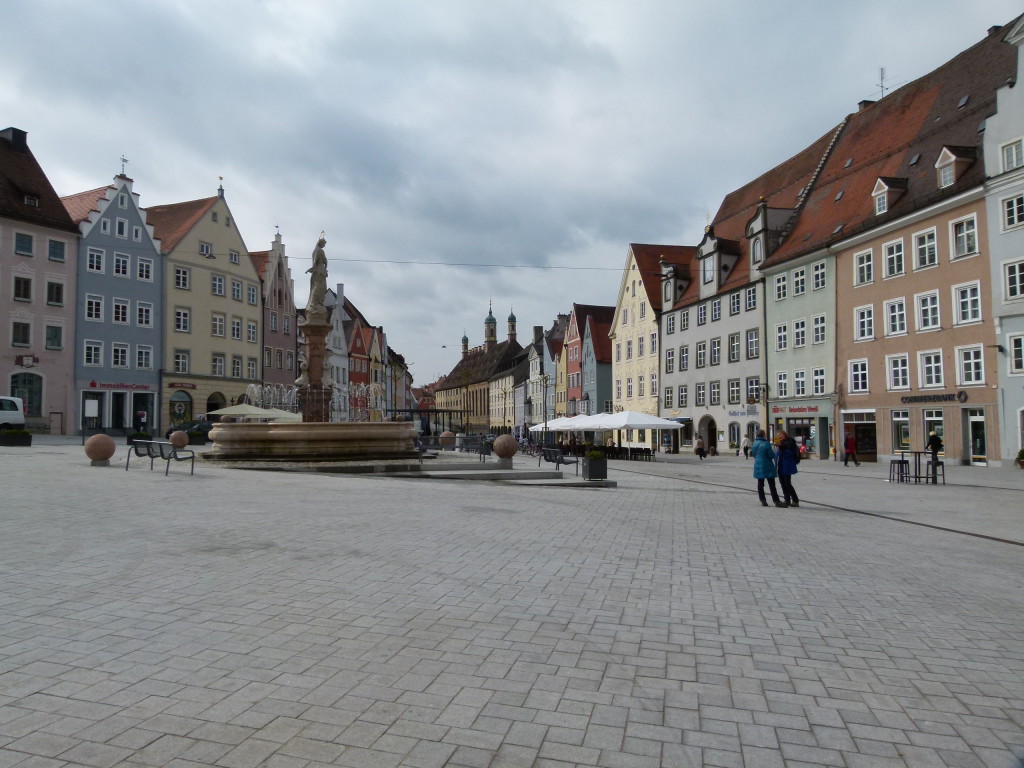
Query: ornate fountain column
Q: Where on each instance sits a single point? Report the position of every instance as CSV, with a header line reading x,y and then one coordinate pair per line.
x,y
315,388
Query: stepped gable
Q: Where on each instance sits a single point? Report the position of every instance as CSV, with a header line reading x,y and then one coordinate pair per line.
x,y
899,139
21,179
80,205
172,222
480,364
648,259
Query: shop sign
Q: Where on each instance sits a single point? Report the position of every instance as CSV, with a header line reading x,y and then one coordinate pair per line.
x,y
939,397
181,385
794,409
116,385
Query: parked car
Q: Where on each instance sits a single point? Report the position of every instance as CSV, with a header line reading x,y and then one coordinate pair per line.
x,y
191,426
12,413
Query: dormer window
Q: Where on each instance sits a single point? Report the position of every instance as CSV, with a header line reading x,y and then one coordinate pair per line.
x,y
952,162
32,201
707,270
886,192
881,204
946,176
755,251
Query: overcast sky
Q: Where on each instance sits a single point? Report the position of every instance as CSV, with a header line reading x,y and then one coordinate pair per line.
x,y
526,134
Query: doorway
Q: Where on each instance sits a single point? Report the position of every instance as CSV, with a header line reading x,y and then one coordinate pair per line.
x,y
976,434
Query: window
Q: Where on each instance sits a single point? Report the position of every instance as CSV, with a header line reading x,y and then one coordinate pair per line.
x,y
1016,354
753,389
716,393
734,303
105,226
1014,283
629,387
218,325
965,238
900,430
707,270
236,367
756,250
236,290
818,330
121,264
858,375
144,314
799,383
144,270
217,285
121,311
654,337
94,260
639,347
22,244
733,391
181,278
22,288
1013,155
643,309
702,354
799,333
734,347
205,249
122,200
618,351
629,342
753,344
684,320
56,249
947,175
895,317
969,367
233,255
137,234
819,276
236,328
21,334
817,381
716,351
670,360
684,395
93,307
881,203
928,311
684,357
181,361
93,353
933,423
716,310
182,320
865,268
119,355
925,252
781,337
799,282
670,323
931,369
268,358
702,314
640,386
252,295
1013,212
121,229
250,368
751,294
899,371
144,357
625,315
967,303
864,323
217,365
669,392
781,285
782,384
54,337
894,263
55,294
250,331
699,392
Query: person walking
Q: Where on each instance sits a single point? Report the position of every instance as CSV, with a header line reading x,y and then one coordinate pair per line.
x,y
850,450
789,457
746,447
698,448
764,469
935,445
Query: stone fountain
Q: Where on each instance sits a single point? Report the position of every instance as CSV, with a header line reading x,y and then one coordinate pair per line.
x,y
316,437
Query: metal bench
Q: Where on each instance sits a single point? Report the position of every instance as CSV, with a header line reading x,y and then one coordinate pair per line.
x,y
143,449
156,449
556,457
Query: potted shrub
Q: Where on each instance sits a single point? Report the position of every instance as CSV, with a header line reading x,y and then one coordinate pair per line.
x,y
595,466
1020,458
139,436
197,437
16,438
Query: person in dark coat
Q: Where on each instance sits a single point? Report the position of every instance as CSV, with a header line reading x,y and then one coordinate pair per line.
x,y
850,450
764,469
787,461
935,445
698,448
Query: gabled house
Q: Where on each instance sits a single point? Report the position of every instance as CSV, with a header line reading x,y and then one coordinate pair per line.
x,y
337,363
576,403
277,292
211,307
38,264
119,329
597,362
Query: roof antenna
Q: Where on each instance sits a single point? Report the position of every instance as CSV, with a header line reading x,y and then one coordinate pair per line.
x,y
124,161
881,80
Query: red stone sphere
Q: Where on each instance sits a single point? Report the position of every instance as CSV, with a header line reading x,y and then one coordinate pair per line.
x,y
178,438
447,439
100,447
505,447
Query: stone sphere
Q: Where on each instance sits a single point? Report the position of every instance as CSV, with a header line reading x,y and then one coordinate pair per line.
x,y
447,439
99,447
505,447
178,438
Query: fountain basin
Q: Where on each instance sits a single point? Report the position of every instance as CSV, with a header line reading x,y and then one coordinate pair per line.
x,y
313,441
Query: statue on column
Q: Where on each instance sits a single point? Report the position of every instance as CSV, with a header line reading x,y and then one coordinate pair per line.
x,y
315,309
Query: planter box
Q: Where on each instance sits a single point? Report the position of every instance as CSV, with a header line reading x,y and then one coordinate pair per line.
x,y
16,441
595,469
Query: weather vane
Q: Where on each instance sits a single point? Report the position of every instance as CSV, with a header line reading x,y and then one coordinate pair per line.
x,y
124,161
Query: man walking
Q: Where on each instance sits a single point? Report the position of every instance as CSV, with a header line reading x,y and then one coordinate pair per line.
x,y
850,450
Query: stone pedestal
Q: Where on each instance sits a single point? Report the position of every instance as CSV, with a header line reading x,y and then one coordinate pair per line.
x,y
315,398
316,404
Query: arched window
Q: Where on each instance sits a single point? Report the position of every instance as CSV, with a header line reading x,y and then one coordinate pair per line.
x,y
181,407
755,250
29,387
215,402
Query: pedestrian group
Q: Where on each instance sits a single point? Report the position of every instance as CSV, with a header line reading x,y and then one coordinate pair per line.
x,y
771,461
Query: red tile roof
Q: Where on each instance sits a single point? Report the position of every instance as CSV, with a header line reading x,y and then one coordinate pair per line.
x,y
81,205
22,177
259,263
901,137
172,222
648,261
599,337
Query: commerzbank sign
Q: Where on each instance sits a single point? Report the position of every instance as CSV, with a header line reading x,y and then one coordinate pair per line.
x,y
938,397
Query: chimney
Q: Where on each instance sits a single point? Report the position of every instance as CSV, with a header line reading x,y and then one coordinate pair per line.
x,y
18,139
862,105
538,334
994,30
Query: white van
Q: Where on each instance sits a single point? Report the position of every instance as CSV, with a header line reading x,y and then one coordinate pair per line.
x,y
12,413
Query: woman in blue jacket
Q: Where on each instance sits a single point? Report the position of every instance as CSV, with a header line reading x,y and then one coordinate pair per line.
x,y
764,469
789,457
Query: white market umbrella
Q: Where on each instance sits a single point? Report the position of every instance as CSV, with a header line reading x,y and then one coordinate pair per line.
x,y
631,420
280,415
242,410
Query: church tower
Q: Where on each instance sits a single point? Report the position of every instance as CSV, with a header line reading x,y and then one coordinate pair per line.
x,y
490,329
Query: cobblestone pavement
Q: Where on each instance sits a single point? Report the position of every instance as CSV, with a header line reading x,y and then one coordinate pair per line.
x,y
243,619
